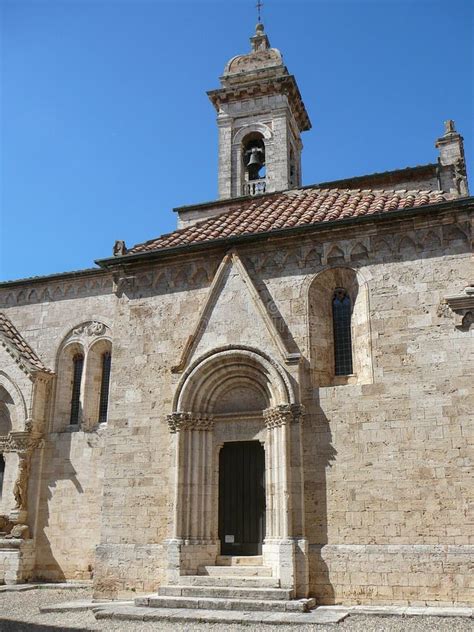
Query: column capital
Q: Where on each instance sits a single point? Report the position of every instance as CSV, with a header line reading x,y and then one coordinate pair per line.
x,y
178,422
283,414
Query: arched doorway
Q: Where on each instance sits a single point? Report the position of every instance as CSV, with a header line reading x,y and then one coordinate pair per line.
x,y
235,428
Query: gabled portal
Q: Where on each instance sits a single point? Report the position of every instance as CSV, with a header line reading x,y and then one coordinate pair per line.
x,y
238,483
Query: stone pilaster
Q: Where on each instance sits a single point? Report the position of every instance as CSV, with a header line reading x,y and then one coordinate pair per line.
x,y
192,544
285,546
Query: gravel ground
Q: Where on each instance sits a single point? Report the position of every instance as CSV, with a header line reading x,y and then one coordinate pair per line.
x,y
19,613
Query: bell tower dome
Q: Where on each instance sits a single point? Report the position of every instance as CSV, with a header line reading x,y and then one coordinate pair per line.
x,y
260,115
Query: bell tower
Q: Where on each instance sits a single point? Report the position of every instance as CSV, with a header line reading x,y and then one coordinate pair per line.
x,y
260,115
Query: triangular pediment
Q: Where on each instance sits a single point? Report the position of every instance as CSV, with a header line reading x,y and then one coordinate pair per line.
x,y
239,311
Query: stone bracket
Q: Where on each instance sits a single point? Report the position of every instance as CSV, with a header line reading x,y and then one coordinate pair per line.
x,y
462,307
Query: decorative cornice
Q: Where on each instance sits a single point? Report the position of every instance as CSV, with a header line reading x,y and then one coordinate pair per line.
x,y
283,414
177,422
263,87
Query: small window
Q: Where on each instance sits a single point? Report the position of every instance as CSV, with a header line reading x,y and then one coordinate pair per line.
x,y
104,387
78,365
2,473
341,318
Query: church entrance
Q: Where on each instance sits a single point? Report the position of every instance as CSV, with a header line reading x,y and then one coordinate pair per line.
x,y
242,498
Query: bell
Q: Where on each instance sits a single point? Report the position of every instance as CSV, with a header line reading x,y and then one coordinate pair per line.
x,y
255,157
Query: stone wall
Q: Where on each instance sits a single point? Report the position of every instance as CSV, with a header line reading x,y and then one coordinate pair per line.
x,y
387,485
65,491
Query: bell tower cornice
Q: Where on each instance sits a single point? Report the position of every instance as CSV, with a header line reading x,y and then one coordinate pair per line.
x,y
260,88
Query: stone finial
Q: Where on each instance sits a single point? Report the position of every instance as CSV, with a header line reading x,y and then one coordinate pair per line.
x,y
452,164
449,127
120,248
260,40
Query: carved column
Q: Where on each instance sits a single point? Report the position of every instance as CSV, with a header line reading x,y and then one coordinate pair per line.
x,y
192,499
285,546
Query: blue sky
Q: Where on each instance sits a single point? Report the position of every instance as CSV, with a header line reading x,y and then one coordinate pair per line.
x,y
106,126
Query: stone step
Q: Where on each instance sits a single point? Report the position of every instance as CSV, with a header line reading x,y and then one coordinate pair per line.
x,y
246,605
229,581
223,592
242,571
239,560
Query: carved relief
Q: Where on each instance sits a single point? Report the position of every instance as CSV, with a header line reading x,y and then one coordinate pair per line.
x,y
178,422
20,489
87,332
92,328
282,415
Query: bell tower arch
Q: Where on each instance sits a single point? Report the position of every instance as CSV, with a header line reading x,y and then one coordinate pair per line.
x,y
260,116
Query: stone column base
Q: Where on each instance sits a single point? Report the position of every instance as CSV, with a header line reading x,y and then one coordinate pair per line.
x,y
17,560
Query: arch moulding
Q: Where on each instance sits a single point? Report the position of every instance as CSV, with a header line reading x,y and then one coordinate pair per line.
x,y
261,128
197,386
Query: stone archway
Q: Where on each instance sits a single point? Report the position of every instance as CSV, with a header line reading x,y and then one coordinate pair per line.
x,y
232,394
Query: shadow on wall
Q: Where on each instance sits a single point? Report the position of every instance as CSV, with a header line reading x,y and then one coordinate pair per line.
x,y
318,456
57,525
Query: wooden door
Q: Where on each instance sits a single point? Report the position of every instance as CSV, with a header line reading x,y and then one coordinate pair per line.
x,y
242,498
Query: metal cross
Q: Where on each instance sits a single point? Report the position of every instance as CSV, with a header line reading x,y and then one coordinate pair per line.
x,y
259,6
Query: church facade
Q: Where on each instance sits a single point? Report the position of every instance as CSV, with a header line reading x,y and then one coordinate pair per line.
x,y
277,394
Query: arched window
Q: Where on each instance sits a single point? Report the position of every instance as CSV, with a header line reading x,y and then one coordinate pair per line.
x,y
104,386
2,473
78,365
341,320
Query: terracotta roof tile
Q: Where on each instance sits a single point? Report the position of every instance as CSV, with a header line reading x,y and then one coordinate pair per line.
x,y
303,207
12,337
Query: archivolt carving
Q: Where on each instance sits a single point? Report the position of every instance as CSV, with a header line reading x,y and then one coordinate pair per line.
x,y
198,389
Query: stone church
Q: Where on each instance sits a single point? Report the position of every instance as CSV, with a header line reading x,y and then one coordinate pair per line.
x,y
273,403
